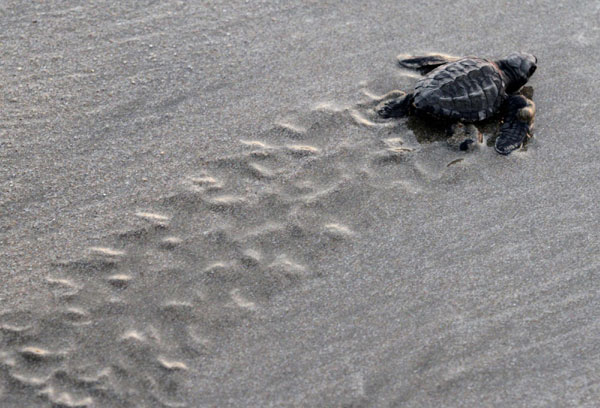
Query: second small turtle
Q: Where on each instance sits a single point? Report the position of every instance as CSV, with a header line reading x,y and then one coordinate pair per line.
x,y
471,89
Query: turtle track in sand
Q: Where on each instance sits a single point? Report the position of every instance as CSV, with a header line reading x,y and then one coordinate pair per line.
x,y
131,317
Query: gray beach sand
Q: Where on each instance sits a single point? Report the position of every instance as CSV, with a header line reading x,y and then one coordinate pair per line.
x,y
198,207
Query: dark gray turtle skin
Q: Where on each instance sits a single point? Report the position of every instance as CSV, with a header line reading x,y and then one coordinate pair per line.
x,y
469,89
518,122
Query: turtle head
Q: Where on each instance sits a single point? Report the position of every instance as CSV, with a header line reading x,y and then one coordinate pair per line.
x,y
518,68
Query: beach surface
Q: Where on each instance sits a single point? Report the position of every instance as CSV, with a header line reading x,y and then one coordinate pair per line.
x,y
199,207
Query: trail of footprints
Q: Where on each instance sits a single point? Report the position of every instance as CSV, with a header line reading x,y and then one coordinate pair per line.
x,y
132,316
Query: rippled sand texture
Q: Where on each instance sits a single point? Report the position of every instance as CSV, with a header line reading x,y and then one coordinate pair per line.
x,y
199,207
132,316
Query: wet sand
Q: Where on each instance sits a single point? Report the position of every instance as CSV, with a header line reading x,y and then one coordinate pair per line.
x,y
199,207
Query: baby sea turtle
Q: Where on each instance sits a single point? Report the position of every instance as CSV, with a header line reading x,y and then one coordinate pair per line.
x,y
470,89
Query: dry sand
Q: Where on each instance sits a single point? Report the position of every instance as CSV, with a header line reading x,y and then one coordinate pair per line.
x,y
198,207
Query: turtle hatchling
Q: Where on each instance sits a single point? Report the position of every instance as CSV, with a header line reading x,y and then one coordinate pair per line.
x,y
469,90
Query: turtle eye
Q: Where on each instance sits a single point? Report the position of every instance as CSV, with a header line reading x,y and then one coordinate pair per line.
x,y
532,70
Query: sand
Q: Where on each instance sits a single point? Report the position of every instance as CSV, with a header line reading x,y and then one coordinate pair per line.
x,y
198,207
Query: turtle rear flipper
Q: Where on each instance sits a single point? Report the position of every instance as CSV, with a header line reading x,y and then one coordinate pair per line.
x,y
517,124
396,107
463,137
425,63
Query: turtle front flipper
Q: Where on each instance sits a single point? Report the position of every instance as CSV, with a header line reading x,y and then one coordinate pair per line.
x,y
396,107
517,125
425,63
